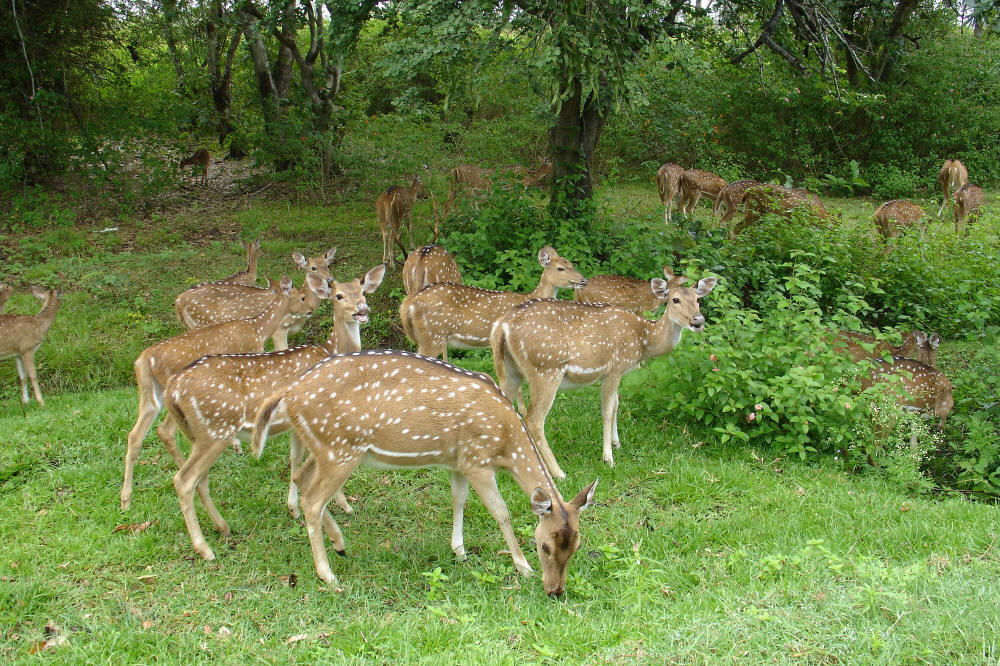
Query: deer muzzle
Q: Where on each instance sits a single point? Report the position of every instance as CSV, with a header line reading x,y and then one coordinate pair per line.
x,y
361,314
697,322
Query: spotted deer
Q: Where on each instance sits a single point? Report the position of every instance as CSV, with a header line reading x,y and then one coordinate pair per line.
x,y
539,177
924,388
394,207
157,363
22,335
214,399
476,180
248,276
625,292
952,177
860,346
764,199
894,216
968,200
668,183
557,345
446,315
732,197
395,410
6,291
695,183
200,159
427,265
214,303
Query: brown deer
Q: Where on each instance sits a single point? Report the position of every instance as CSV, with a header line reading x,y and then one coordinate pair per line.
x,y
539,177
200,159
157,363
695,183
894,216
732,196
214,399
924,388
470,177
668,183
860,346
968,200
764,199
427,265
214,303
248,276
446,315
22,335
6,291
953,176
625,292
394,207
562,345
396,410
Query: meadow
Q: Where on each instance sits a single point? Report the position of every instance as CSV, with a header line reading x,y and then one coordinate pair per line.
x,y
699,548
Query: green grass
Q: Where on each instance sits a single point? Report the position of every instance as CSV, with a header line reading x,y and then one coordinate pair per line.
x,y
693,553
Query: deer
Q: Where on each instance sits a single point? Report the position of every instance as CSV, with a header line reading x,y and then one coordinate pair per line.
x,y
446,315
427,265
894,216
200,159
391,409
695,183
214,302
668,183
625,292
539,177
6,291
732,197
248,276
394,207
155,365
925,388
22,335
562,345
968,200
213,400
953,176
916,345
469,176
764,199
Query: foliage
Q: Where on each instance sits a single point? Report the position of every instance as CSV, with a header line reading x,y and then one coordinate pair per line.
x,y
846,184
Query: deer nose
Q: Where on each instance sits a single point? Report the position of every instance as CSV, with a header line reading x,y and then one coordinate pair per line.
x,y
698,320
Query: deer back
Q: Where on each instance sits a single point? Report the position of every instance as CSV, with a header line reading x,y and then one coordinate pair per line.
x,y
21,333
429,264
860,346
470,176
953,174
668,180
698,180
923,387
201,157
734,193
892,216
627,293
969,197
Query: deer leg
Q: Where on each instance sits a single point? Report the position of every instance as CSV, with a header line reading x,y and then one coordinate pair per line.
x,y
387,257
409,229
459,493
318,487
484,482
330,525
194,473
29,363
280,338
24,379
167,432
148,409
609,417
543,393
295,453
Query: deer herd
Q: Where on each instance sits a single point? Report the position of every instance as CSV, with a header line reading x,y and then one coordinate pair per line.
x,y
389,409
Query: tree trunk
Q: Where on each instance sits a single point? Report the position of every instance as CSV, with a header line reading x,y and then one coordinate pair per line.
x,y
573,141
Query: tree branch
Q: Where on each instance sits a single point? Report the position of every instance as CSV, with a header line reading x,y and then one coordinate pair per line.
x,y
765,33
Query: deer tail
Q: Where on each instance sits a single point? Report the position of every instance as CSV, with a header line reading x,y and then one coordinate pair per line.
x,y
262,421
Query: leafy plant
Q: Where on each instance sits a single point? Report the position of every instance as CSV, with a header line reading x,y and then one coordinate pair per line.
x,y
847,184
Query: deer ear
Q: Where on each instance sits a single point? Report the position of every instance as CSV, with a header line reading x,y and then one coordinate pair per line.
x,y
935,341
319,285
286,285
541,503
668,273
545,255
373,278
299,259
705,286
256,244
584,497
660,288
245,245
330,254
921,337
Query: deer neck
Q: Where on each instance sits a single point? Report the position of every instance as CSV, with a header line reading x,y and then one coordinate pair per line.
x,y
345,338
48,313
545,288
660,337
529,471
267,321
251,271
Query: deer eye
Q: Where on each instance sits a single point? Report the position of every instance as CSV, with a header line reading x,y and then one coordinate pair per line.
x,y
312,268
303,298
545,546
677,300
340,297
560,269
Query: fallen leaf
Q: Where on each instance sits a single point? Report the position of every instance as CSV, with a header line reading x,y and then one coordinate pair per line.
x,y
225,631
207,629
134,528
296,638
228,597
146,624
148,579
291,579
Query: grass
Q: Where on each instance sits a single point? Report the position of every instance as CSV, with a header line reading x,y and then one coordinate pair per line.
x,y
694,552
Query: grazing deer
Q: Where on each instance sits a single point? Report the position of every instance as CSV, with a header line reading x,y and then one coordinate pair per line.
x,y
157,363
22,335
446,315
893,216
625,292
732,196
562,345
953,176
764,199
395,410
539,177
473,178
427,265
6,291
214,303
968,200
694,183
214,399
200,159
392,208
248,276
668,183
